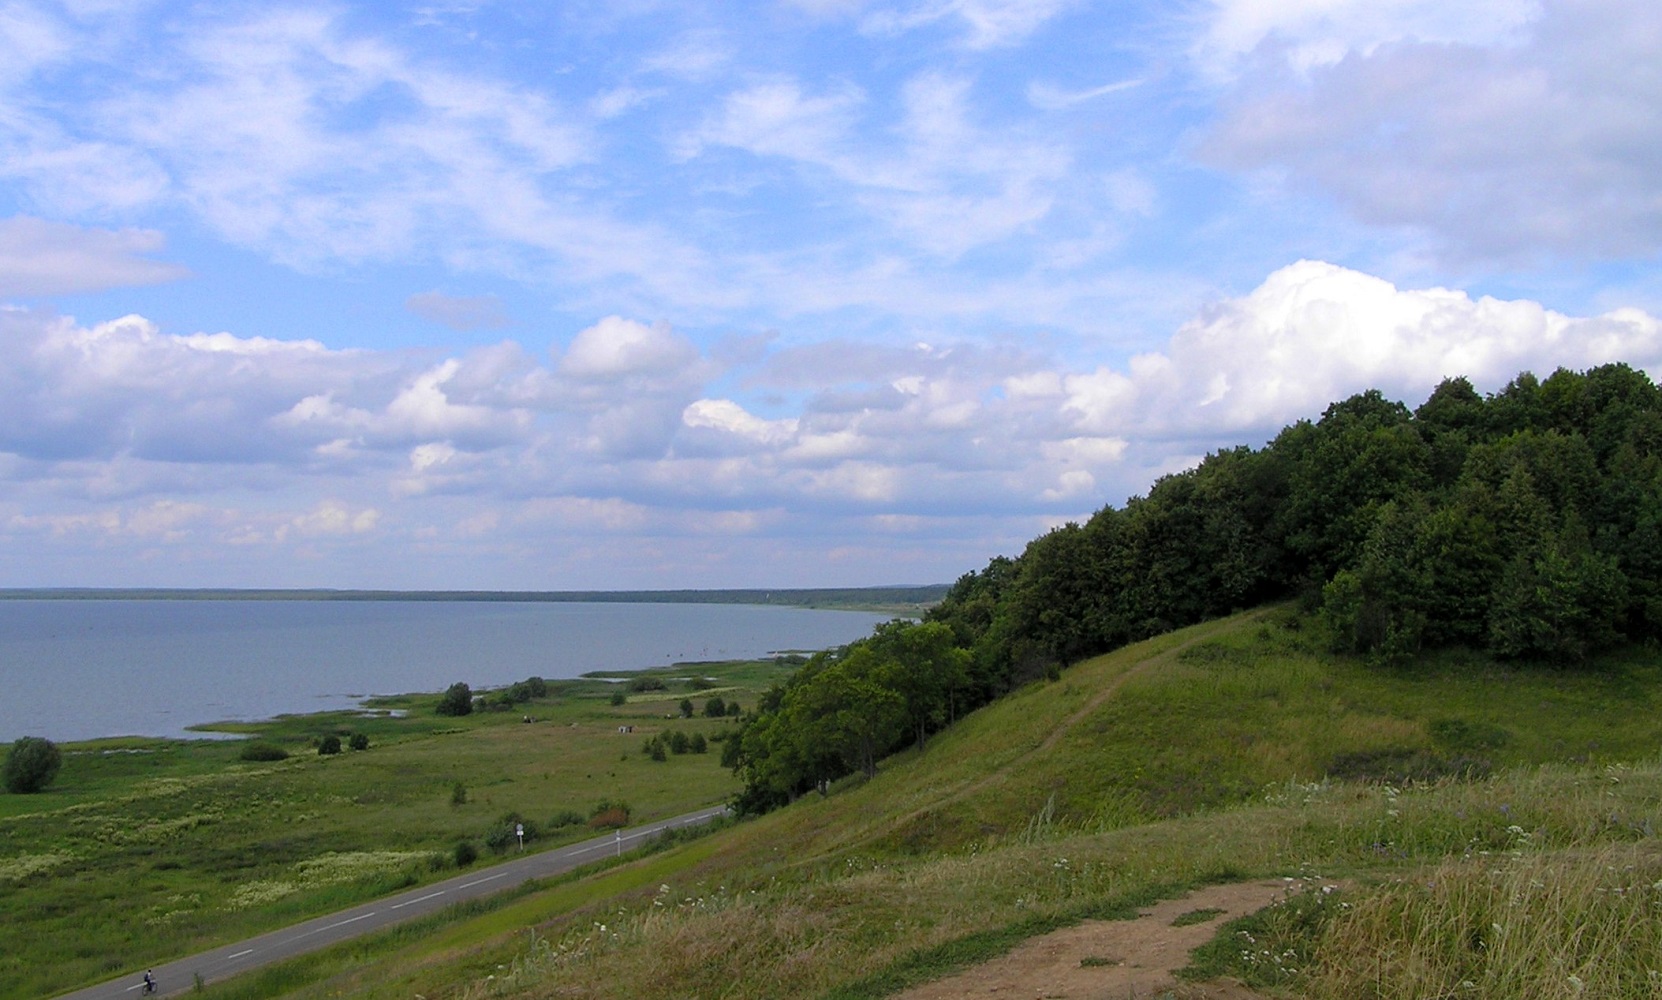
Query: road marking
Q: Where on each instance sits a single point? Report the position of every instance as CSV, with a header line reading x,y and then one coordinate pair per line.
x,y
349,920
481,881
239,954
412,902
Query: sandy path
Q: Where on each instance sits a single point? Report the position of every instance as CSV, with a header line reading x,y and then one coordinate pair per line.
x,y
1115,959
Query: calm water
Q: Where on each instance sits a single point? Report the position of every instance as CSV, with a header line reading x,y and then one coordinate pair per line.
x,y
72,670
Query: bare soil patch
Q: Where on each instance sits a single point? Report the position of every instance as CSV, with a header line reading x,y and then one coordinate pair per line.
x,y
1117,959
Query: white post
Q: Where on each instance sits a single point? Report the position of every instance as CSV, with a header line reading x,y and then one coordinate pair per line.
x,y
620,843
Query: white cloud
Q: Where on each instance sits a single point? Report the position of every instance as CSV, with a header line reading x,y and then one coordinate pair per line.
x,y
986,24
121,433
946,183
1314,333
1311,33
617,348
1545,148
38,257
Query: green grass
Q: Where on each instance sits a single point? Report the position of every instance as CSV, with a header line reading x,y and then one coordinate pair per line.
x,y
144,850
1203,756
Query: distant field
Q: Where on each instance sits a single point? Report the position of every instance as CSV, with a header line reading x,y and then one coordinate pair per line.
x,y
148,849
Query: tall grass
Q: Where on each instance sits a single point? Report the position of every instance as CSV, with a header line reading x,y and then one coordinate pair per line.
x,y
1579,923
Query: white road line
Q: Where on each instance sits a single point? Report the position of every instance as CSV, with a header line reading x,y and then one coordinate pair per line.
x,y
349,920
239,954
412,902
481,881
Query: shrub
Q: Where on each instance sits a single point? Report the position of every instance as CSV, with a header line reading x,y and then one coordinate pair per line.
x,y
31,765
565,817
329,744
646,684
618,697
686,708
358,742
698,683
699,744
715,708
466,853
263,752
505,833
679,743
607,815
457,700
458,794
733,709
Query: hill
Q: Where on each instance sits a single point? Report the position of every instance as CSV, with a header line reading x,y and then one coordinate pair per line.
x,y
1232,750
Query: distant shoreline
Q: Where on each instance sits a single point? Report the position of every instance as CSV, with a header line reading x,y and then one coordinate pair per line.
x,y
911,599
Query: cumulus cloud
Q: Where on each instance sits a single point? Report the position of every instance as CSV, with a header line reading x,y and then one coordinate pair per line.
x,y
631,429
38,257
1547,147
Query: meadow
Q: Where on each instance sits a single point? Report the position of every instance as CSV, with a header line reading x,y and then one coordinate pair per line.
x,y
148,849
1494,829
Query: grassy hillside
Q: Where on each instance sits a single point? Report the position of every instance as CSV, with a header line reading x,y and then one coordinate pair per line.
x,y
1485,817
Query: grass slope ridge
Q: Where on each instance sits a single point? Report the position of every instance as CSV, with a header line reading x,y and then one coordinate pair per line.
x,y
1204,755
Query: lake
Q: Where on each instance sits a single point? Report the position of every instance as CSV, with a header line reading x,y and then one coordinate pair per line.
x,y
82,669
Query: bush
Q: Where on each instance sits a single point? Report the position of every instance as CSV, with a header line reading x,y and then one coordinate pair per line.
x,y
733,709
565,817
31,765
715,708
699,744
618,697
698,683
646,684
607,815
679,743
263,752
686,708
458,794
329,744
505,833
358,742
457,700
466,853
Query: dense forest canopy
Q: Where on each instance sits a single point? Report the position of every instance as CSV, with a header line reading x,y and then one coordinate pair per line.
x,y
1527,523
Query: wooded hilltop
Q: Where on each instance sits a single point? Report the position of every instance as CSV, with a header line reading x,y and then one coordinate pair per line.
x,y
1527,524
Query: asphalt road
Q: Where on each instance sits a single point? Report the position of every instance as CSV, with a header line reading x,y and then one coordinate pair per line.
x,y
178,977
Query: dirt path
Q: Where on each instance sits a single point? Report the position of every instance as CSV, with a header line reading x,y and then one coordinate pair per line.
x,y
1116,959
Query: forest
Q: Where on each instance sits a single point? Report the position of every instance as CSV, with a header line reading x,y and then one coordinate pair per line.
x,y
1526,524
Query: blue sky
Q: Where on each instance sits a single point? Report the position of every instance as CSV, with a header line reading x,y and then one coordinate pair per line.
x,y
802,293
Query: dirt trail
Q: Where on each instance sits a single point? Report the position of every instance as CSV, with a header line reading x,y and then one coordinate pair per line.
x,y
1116,959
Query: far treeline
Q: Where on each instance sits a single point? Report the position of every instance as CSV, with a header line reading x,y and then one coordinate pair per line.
x,y
1526,524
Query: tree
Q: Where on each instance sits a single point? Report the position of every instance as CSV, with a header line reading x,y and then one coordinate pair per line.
x,y
358,742
457,700
686,708
31,765
715,708
329,745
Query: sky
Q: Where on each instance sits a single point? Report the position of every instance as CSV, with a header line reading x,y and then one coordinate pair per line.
x,y
792,293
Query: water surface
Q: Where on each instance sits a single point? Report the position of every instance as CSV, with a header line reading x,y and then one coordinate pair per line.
x,y
80,669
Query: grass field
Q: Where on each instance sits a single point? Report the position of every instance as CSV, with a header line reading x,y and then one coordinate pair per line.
x,y
1495,827
148,849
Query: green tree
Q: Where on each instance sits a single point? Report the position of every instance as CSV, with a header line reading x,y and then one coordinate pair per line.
x,y
686,707
457,700
31,765
715,708
329,745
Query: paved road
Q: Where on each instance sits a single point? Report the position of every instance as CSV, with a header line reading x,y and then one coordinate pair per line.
x,y
232,959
